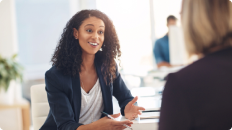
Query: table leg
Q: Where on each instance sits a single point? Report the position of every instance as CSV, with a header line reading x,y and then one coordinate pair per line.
x,y
26,118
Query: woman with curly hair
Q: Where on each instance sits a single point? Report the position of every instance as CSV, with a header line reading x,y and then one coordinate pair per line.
x,y
84,77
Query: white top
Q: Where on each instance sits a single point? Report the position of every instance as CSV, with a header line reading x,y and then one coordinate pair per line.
x,y
91,104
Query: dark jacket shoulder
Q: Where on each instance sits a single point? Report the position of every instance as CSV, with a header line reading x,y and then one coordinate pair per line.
x,y
209,67
56,77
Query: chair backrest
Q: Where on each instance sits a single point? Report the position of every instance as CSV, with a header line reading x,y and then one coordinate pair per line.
x,y
39,105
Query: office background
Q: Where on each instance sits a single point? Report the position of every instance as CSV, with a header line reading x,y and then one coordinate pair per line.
x,y
36,26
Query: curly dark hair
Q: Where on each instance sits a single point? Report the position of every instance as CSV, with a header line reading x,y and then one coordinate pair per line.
x,y
67,55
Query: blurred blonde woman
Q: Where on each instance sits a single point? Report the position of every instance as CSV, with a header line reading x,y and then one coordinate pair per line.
x,y
199,97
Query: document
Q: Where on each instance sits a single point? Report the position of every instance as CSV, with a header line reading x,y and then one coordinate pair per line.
x,y
149,115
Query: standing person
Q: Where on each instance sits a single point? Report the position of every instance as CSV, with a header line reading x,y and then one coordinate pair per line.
x,y
199,97
84,77
161,48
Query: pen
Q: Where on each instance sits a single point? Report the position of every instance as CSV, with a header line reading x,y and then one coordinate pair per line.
x,y
114,119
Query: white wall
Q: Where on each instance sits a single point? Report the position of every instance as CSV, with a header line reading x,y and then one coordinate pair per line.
x,y
8,39
77,5
8,47
162,9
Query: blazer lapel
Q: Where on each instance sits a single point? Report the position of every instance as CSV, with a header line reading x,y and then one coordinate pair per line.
x,y
106,93
76,96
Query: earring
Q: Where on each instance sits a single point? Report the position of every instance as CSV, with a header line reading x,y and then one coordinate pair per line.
x,y
100,49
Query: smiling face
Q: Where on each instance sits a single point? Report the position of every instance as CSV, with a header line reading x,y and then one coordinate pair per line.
x,y
90,35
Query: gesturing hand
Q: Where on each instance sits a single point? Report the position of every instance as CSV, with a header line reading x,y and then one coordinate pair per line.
x,y
131,111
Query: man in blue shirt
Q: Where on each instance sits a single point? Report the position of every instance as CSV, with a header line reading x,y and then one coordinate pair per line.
x,y
161,48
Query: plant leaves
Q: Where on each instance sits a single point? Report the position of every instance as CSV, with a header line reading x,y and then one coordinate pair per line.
x,y
14,56
10,69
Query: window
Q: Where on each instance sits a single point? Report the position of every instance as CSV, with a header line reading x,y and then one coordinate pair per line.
x,y
132,22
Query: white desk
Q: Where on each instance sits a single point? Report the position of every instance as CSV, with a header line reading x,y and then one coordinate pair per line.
x,y
144,124
16,116
150,100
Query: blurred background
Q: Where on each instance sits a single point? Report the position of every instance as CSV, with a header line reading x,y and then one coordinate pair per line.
x,y
31,29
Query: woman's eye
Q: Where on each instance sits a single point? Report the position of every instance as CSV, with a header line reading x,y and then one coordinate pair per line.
x,y
89,30
101,32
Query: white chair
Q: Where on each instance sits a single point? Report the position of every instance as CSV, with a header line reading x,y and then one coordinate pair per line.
x,y
39,105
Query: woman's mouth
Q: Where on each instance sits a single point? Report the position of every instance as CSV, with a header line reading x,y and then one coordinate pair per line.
x,y
93,44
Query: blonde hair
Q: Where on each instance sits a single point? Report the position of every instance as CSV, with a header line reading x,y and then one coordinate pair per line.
x,y
207,24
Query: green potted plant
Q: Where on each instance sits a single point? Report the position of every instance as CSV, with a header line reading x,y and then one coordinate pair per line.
x,y
10,71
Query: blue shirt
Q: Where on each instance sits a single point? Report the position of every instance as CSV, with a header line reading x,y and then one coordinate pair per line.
x,y
161,50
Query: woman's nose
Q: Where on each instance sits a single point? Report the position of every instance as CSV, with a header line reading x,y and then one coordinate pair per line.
x,y
95,35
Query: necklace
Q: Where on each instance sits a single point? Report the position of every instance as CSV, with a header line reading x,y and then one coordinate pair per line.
x,y
82,85
82,82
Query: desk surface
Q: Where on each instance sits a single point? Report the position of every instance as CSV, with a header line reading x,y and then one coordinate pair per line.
x,y
22,104
144,124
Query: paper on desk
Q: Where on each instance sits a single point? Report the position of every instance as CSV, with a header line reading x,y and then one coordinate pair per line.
x,y
150,115
145,117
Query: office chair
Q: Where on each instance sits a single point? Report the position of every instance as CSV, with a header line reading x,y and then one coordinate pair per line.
x,y
39,105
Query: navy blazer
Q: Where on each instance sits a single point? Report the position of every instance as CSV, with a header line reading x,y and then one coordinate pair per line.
x,y
64,97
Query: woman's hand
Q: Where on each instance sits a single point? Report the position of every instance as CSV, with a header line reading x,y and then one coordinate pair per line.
x,y
106,124
131,111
